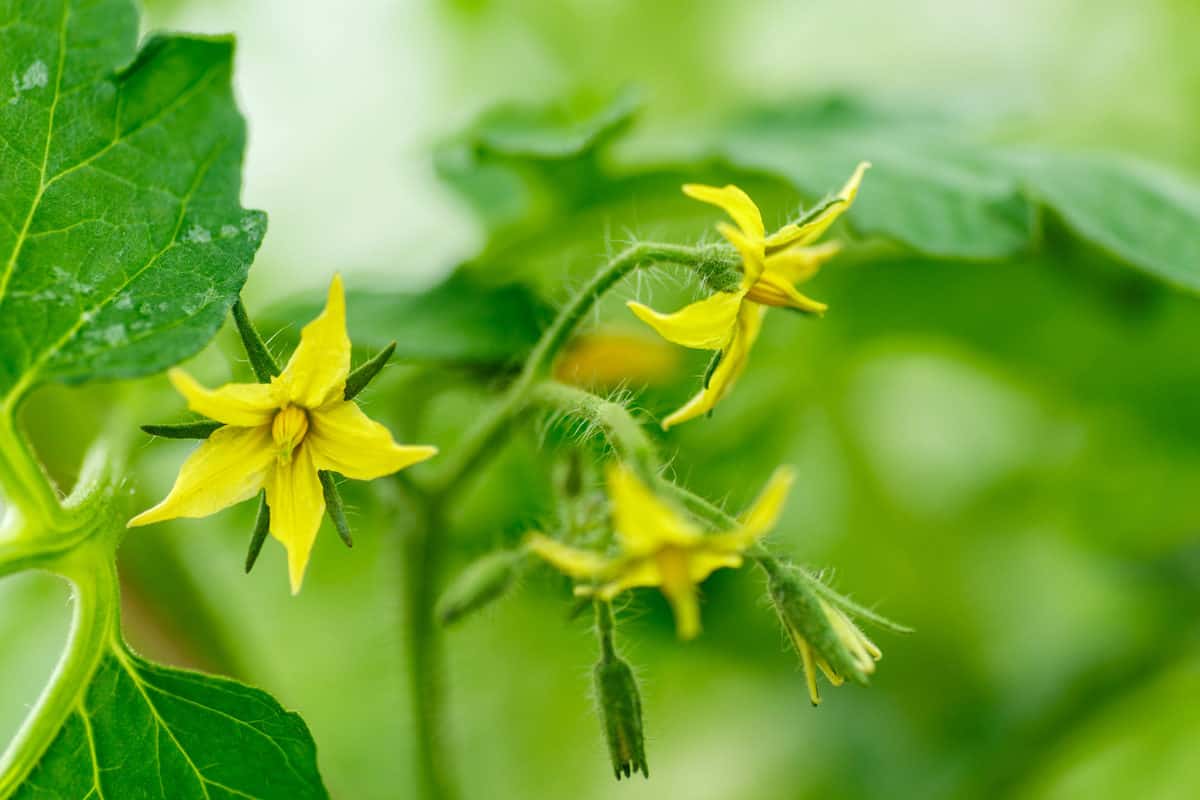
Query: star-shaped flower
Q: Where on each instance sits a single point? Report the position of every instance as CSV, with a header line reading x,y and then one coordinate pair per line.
x,y
661,547
278,435
729,322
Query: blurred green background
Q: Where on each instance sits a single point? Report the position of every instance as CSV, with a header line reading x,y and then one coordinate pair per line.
x,y
1003,454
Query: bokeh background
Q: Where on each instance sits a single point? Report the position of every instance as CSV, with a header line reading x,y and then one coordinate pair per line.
x,y
1003,455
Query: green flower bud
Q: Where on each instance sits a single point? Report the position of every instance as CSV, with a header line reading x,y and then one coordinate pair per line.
x,y
483,581
823,635
621,710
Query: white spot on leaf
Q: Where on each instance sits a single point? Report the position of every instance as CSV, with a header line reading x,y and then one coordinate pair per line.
x,y
198,234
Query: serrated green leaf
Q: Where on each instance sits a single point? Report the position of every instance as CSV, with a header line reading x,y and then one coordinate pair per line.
x,y
122,241
1140,214
459,321
147,731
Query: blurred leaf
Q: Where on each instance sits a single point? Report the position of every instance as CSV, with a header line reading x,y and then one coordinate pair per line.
x,y
140,726
124,243
936,195
521,164
459,321
1140,214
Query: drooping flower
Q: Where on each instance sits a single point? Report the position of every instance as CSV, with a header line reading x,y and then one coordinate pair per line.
x,y
822,634
277,436
729,322
660,546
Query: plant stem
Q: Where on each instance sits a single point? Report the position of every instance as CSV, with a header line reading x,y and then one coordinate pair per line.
x,y
93,577
423,553
24,483
627,438
425,652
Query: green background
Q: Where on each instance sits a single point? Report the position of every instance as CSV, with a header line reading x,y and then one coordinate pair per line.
x,y
1002,453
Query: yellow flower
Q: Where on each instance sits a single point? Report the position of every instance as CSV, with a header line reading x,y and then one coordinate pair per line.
x,y
729,322
278,435
661,547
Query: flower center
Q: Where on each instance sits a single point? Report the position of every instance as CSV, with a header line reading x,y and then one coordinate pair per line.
x,y
288,429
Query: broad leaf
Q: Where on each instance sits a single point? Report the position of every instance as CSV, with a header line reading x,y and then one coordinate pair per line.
x,y
1139,214
459,321
122,242
146,731
926,189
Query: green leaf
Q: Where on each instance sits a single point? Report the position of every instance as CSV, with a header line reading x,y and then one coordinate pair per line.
x,y
928,190
122,241
460,321
147,731
1137,213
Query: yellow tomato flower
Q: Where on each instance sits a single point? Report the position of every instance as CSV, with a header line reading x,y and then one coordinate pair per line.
x,y
729,322
278,435
662,547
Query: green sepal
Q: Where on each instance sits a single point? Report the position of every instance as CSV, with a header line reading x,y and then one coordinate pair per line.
x,y
261,360
198,429
712,366
262,526
334,507
357,380
619,700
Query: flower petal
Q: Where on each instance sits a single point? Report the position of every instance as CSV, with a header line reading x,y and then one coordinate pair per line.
x,y
316,373
772,289
229,467
345,440
243,404
642,521
581,564
705,325
680,590
733,361
736,203
704,562
753,252
798,264
297,505
760,517
810,229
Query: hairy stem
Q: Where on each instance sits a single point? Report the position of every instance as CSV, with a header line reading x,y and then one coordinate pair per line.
x,y
423,553
627,438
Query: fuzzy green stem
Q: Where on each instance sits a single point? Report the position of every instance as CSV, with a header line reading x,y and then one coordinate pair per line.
x,y
422,555
627,438
93,578
604,629
480,439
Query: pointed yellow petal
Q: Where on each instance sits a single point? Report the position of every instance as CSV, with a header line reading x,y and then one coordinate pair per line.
x,y
297,505
241,404
811,229
733,361
642,521
736,203
759,518
680,590
752,252
316,373
772,290
581,564
631,573
764,513
810,672
705,325
229,467
345,440
798,264
704,561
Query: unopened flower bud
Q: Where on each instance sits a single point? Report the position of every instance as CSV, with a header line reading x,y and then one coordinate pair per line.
x,y
621,710
823,635
483,581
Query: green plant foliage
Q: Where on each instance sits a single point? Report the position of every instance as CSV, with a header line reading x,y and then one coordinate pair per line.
x,y
124,244
142,730
462,320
